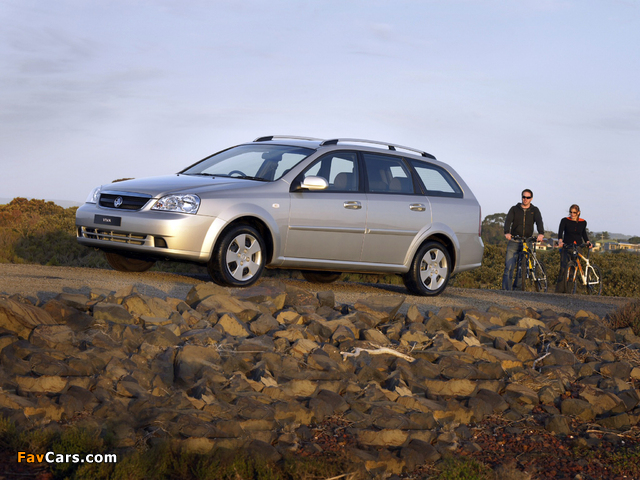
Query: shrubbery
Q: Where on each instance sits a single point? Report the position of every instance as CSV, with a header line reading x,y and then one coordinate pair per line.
x,y
35,231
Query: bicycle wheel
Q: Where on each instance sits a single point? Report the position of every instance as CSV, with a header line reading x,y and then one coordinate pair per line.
x,y
525,272
594,280
572,273
519,272
535,279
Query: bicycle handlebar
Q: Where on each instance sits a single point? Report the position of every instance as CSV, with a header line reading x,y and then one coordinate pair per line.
x,y
576,245
518,238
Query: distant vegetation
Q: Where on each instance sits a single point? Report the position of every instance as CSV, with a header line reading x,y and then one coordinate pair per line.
x,y
35,231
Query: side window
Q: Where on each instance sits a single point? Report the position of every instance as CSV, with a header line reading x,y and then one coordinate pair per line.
x,y
436,180
287,163
386,174
339,169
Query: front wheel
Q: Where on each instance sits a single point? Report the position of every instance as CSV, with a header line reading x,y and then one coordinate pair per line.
x,y
573,274
430,270
126,264
316,276
594,280
535,279
239,257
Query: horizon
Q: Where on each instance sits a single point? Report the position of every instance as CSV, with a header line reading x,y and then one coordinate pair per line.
x,y
68,204
537,94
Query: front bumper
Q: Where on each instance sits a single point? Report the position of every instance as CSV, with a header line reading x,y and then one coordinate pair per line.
x,y
153,234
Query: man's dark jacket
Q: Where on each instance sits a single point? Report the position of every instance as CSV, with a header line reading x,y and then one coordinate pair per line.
x,y
520,221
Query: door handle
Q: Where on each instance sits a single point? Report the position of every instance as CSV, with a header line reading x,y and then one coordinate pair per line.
x,y
353,205
417,207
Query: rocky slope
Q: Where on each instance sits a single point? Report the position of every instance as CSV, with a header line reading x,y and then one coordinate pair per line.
x,y
260,368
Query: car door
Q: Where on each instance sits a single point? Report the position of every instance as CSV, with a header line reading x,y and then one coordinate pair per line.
x,y
328,225
396,212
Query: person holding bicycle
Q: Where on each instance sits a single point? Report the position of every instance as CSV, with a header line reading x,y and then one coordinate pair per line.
x,y
572,231
519,223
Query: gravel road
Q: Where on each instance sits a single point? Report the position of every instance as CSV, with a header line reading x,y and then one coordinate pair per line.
x,y
44,283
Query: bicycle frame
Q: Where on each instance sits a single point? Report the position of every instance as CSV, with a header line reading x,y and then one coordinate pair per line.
x,y
582,273
526,270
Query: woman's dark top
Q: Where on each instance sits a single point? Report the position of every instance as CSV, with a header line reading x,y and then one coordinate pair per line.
x,y
572,231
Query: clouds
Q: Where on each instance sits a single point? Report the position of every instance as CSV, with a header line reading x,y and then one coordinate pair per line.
x,y
114,88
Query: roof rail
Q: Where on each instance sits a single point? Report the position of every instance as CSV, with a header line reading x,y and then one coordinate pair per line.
x,y
293,137
390,146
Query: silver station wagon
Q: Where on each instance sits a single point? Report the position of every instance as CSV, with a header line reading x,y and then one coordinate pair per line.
x,y
320,206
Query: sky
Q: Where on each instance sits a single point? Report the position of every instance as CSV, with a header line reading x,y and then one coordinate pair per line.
x,y
513,94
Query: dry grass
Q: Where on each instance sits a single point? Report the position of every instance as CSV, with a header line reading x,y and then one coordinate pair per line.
x,y
626,316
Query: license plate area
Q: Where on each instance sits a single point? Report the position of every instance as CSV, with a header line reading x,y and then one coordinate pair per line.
x,y
107,220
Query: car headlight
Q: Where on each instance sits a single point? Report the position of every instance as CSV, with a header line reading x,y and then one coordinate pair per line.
x,y
178,203
94,195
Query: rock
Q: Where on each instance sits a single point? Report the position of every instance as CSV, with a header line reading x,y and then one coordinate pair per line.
x,y
578,408
43,384
201,291
263,324
602,402
509,333
383,308
21,318
111,312
558,356
327,298
76,301
260,368
300,297
616,422
53,336
381,438
460,387
438,323
229,324
193,362
620,370
414,315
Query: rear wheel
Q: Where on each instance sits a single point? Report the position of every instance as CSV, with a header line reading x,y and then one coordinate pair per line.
x,y
126,264
316,276
535,280
430,270
594,280
239,257
573,275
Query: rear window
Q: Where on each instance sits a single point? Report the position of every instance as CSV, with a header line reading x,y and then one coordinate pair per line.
x,y
437,180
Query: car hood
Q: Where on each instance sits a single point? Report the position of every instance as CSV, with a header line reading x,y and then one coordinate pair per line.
x,y
178,183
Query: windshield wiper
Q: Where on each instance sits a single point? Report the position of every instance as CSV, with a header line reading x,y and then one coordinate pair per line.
x,y
249,177
244,177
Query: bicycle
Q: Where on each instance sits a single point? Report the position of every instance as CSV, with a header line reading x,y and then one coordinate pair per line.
x,y
589,276
530,269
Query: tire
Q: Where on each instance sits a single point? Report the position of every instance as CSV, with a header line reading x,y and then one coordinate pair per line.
x,y
430,270
594,280
239,257
314,276
126,264
535,280
572,276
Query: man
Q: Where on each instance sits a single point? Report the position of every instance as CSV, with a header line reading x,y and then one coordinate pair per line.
x,y
519,223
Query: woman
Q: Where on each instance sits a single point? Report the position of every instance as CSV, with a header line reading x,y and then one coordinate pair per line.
x,y
572,230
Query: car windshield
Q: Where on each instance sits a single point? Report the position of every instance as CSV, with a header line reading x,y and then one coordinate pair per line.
x,y
255,162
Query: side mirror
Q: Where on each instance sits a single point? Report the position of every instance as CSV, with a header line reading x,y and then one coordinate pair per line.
x,y
314,183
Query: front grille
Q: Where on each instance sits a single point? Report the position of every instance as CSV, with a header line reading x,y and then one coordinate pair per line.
x,y
129,202
111,236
